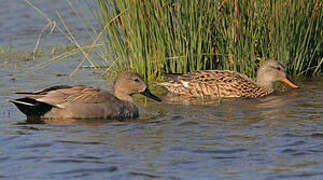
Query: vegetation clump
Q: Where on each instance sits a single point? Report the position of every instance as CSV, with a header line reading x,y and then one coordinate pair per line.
x,y
151,37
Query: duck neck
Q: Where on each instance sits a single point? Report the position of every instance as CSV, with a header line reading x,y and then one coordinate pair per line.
x,y
123,96
262,81
128,109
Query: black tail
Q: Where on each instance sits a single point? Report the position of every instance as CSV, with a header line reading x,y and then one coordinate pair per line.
x,y
31,107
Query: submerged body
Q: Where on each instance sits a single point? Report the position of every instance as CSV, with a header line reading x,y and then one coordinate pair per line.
x,y
84,102
225,83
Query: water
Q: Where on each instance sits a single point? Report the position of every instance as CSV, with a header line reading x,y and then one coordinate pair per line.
x,y
277,137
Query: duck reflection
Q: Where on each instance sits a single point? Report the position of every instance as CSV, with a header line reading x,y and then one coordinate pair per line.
x,y
66,121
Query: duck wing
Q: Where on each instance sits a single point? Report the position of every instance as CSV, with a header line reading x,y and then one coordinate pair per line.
x,y
212,83
59,96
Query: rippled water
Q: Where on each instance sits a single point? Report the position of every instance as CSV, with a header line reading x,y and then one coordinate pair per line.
x,y
277,137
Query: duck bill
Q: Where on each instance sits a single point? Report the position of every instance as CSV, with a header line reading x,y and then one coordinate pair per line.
x,y
150,95
285,80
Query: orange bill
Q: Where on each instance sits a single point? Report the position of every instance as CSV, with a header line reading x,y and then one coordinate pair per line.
x,y
285,80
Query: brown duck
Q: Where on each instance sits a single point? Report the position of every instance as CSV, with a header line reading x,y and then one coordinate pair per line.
x,y
83,102
225,83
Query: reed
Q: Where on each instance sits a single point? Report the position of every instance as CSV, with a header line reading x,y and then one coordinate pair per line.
x,y
154,36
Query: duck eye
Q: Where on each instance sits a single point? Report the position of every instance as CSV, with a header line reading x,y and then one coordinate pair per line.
x,y
136,80
278,68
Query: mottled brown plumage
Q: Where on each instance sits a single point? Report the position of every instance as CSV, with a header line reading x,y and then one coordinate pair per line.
x,y
84,102
225,83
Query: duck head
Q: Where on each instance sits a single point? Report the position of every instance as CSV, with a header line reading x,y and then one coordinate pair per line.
x,y
129,83
271,71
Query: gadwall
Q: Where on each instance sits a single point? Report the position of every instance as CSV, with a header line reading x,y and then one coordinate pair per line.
x,y
84,102
225,83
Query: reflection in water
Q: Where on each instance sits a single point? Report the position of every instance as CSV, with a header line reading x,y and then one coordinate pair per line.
x,y
86,122
269,107
273,107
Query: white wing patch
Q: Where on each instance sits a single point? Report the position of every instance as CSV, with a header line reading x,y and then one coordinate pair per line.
x,y
60,106
185,84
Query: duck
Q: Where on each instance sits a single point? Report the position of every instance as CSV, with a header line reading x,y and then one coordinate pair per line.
x,y
85,102
226,83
